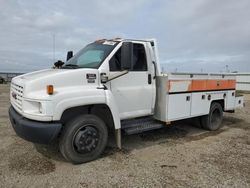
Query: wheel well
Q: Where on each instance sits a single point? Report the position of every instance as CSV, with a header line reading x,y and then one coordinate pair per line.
x,y
100,110
221,102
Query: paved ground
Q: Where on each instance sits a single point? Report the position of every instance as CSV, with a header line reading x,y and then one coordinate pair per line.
x,y
177,156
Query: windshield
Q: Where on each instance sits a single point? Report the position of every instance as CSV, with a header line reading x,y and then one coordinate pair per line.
x,y
91,56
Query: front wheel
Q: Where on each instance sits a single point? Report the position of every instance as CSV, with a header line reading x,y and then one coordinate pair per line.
x,y
83,139
213,120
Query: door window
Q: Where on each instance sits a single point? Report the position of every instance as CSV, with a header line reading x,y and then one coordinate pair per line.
x,y
139,59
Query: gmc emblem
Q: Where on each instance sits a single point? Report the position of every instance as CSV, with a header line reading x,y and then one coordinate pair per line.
x,y
14,95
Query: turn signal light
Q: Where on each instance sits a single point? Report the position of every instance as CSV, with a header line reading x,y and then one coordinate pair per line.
x,y
50,89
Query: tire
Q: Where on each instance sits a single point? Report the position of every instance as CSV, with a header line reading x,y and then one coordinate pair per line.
x,y
213,121
83,139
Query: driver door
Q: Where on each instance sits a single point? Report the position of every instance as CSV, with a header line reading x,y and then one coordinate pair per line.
x,y
133,92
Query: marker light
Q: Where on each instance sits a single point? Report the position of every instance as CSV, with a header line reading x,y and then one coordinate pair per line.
x,y
100,40
50,89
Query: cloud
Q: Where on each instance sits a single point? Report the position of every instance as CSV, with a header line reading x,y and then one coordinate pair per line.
x,y
192,35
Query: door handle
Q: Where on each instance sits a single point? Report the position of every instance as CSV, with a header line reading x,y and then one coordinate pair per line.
x,y
149,79
187,98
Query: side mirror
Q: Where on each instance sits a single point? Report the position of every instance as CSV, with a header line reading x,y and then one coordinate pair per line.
x,y
69,55
126,55
58,64
104,78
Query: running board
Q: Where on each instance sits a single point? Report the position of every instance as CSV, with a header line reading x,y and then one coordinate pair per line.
x,y
136,126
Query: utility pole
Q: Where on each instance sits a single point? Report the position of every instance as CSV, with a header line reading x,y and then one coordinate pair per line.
x,y
54,46
163,69
227,69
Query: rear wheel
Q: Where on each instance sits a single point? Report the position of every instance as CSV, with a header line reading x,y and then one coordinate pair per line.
x,y
83,139
213,120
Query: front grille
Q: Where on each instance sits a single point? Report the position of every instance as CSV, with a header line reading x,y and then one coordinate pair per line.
x,y
18,92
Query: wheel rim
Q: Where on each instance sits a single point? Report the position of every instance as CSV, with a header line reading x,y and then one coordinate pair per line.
x,y
85,139
216,118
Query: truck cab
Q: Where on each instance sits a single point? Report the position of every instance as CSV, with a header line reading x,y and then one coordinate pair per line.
x,y
110,86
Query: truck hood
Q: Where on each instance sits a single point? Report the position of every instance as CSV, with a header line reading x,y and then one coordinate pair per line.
x,y
34,84
42,73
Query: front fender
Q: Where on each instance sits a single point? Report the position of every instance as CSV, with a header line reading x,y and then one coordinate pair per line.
x,y
78,97
110,101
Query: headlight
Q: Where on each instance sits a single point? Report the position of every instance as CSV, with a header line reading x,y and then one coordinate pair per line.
x,y
37,107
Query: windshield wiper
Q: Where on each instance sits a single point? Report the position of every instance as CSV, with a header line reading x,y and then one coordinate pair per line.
x,y
71,66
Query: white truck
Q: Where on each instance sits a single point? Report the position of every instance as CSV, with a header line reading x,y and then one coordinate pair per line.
x,y
113,86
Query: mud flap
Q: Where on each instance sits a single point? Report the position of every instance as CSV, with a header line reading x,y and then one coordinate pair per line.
x,y
118,138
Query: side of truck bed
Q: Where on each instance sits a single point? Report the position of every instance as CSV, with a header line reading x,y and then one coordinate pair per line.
x,y
186,95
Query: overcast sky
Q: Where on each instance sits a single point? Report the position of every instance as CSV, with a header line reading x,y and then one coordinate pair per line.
x,y
193,35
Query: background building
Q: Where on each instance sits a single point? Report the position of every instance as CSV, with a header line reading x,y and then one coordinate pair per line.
x,y
7,76
243,81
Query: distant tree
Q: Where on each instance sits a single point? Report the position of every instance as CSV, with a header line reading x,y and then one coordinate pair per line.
x,y
2,80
